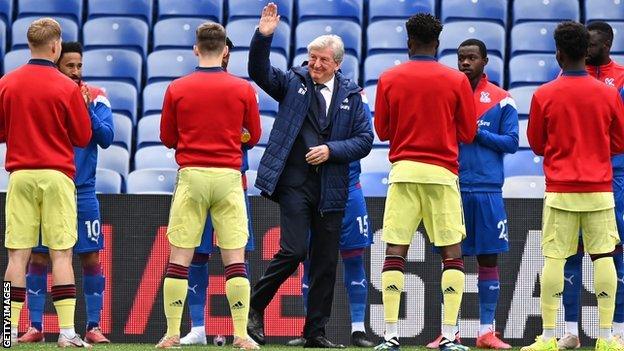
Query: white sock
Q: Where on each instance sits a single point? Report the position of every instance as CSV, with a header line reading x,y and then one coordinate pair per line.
x,y
448,331
548,334
485,329
14,332
358,326
392,331
200,330
618,328
69,333
604,333
572,328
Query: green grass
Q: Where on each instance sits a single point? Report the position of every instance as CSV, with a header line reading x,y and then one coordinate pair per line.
x,y
133,347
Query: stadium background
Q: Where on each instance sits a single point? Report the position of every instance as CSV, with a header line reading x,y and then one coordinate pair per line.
x,y
134,48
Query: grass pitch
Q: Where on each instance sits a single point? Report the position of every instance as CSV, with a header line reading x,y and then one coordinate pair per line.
x,y
136,347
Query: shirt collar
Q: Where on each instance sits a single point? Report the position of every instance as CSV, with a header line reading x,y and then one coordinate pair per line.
x,y
209,69
41,62
422,58
330,84
574,73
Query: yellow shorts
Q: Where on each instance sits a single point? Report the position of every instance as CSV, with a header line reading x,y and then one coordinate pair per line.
x,y
439,206
560,232
199,190
40,199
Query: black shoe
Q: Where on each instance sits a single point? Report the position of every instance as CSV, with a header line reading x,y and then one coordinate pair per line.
x,y
298,342
255,326
321,342
360,339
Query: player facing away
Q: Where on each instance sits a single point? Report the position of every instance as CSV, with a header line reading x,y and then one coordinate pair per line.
x,y
424,109
42,117
198,270
480,182
90,242
576,123
202,118
600,66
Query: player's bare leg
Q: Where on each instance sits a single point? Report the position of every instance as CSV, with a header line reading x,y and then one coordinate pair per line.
x,y
36,290
93,287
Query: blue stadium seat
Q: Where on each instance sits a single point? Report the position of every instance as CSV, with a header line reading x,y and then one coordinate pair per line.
x,y
107,181
267,105
6,11
3,38
371,93
4,180
69,31
385,9
115,158
176,33
533,37
541,10
122,96
141,9
604,10
523,96
238,9
376,140
148,131
350,66
495,68
123,131
316,9
492,34
116,32
14,59
376,161
532,69
241,31
71,9
374,184
484,10
158,156
386,36
524,187
206,9
523,141
251,180
153,96
2,154
523,163
618,58
253,157
152,181
267,126
618,37
170,64
239,59
113,64
350,32
374,65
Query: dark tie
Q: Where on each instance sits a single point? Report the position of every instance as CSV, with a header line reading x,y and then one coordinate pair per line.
x,y
322,106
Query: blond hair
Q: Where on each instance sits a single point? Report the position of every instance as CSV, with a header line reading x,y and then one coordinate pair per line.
x,y
210,38
42,32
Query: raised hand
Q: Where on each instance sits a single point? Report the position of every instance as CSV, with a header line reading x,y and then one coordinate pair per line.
x,y
269,19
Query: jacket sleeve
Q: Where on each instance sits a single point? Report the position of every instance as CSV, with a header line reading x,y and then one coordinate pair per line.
x,y
271,79
617,127
465,114
382,119
251,120
168,122
102,122
507,139
361,141
79,123
536,130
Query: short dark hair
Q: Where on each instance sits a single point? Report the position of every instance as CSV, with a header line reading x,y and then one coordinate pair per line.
x,y
229,43
423,28
572,38
603,28
71,46
475,42
210,38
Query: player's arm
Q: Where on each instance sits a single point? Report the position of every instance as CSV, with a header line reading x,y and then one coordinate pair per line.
x,y
78,120
465,114
361,141
251,120
102,121
536,130
617,127
168,122
382,120
506,140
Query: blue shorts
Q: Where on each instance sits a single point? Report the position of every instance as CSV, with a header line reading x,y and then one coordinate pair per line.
x,y
89,227
486,224
206,246
618,194
355,224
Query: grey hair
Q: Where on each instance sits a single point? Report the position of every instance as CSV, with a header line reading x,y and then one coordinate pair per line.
x,y
329,41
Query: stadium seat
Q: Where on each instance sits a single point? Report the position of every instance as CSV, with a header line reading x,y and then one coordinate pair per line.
x,y
253,157
251,180
158,156
267,105
152,181
385,9
238,9
376,161
113,64
122,96
371,93
14,59
115,158
71,9
527,187
523,163
376,140
3,38
116,32
492,34
618,37
350,32
533,37
386,36
123,131
546,10
495,69
241,31
170,64
107,181
604,10
211,10
267,125
523,96
350,66
176,33
2,154
153,96
374,184
522,129
148,131
532,69
4,180
618,58
484,10
6,11
69,31
374,65
239,59
319,9
141,9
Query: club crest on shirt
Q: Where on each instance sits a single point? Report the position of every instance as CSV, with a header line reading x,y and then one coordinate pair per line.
x,y
345,105
485,97
610,82
302,90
